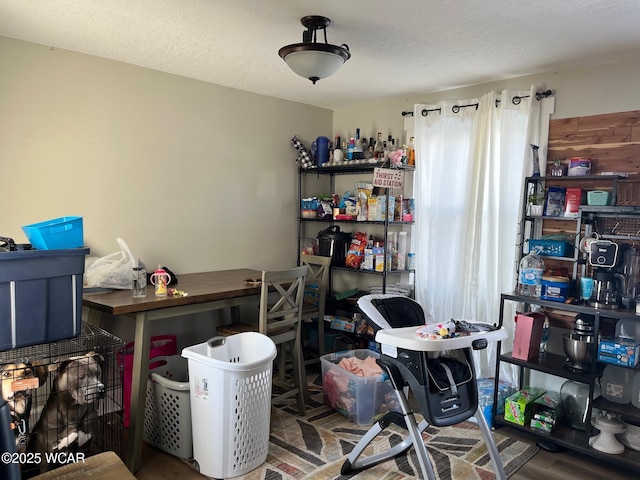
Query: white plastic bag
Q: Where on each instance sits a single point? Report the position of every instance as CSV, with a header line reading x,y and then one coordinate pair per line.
x,y
113,270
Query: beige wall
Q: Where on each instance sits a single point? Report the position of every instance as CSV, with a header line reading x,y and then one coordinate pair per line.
x,y
192,175
608,88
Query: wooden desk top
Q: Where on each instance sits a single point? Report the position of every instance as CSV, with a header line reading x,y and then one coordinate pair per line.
x,y
201,287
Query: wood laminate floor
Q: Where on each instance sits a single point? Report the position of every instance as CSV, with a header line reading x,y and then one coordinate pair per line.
x,y
567,465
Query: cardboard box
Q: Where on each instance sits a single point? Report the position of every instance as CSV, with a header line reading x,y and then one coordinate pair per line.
x,y
368,263
526,340
519,406
372,209
619,351
579,167
547,411
378,259
386,204
378,207
340,323
572,202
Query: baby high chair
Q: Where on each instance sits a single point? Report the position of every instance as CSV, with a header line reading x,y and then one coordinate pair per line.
x,y
443,385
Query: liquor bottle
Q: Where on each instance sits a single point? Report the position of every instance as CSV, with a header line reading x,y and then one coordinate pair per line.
x,y
411,152
378,149
544,341
357,149
338,154
368,154
351,148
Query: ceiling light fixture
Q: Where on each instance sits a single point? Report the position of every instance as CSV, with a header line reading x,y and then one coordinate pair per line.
x,y
313,60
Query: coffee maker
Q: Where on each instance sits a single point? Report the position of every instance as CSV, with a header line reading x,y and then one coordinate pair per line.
x,y
607,283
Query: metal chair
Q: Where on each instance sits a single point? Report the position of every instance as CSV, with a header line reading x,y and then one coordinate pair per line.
x,y
315,293
280,318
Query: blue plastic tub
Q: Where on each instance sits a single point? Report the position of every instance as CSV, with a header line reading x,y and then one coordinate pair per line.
x,y
555,289
59,233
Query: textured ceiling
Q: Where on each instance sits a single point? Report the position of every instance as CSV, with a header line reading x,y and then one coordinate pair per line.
x,y
401,47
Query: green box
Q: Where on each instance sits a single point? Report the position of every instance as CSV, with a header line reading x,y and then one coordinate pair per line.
x,y
518,407
547,411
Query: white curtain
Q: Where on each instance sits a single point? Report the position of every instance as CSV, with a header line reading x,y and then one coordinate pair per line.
x,y
470,167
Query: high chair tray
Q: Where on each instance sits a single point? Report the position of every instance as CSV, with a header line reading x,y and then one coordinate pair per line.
x,y
405,337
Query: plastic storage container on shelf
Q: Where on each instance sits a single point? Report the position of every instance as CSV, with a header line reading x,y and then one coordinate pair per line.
x,y
617,383
549,248
40,296
627,328
598,198
555,288
363,399
167,415
55,234
230,391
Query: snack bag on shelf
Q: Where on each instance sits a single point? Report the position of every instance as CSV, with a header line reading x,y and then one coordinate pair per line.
x,y
355,254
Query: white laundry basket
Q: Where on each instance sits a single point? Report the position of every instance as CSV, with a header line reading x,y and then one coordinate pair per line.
x,y
230,385
167,414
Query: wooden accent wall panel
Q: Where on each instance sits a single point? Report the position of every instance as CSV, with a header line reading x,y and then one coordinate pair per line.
x,y
611,141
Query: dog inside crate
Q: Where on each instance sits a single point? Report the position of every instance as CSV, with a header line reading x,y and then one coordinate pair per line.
x,y
65,400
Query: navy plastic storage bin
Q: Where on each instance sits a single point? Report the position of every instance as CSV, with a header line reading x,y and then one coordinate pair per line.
x,y
40,296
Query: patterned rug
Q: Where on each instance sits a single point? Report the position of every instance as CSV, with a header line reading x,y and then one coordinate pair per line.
x,y
315,447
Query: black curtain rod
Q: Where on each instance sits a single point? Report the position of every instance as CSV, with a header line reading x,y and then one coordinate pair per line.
x,y
456,108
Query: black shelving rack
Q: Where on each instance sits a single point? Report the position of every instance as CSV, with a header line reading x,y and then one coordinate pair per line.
x,y
553,364
347,168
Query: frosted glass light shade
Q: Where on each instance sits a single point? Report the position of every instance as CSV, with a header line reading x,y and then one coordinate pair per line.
x,y
313,61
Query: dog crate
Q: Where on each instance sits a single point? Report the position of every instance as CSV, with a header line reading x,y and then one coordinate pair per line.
x,y
67,398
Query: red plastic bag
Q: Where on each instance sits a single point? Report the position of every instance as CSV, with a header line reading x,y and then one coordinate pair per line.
x,y
161,346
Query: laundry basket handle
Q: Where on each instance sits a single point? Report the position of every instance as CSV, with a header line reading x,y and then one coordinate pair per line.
x,y
216,341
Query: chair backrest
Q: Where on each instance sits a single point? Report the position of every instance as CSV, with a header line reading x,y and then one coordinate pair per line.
x,y
316,283
391,311
281,299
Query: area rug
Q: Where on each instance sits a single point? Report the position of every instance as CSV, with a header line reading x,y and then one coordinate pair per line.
x,y
316,445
